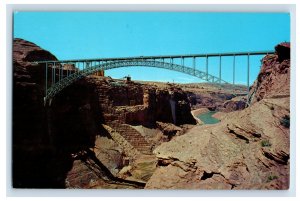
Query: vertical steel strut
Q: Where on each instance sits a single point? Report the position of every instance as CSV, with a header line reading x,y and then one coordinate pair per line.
x,y
52,70
46,87
248,77
62,72
194,65
220,69
233,70
233,73
58,72
206,68
53,66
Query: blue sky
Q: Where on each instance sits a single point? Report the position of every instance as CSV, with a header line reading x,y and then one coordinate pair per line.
x,y
78,35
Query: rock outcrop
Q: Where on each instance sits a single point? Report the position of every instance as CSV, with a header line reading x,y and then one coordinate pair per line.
x,y
59,146
248,149
25,52
234,104
33,157
211,100
226,101
140,104
168,129
274,77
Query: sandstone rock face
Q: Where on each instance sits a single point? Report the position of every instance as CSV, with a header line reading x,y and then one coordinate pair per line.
x,y
274,77
214,100
248,149
140,104
70,144
25,52
211,100
33,157
283,51
232,154
234,104
168,129
115,104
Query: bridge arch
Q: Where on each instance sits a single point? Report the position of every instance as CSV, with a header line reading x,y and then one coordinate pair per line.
x,y
63,83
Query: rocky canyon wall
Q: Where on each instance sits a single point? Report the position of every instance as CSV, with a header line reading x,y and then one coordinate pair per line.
x,y
50,143
273,80
140,104
248,149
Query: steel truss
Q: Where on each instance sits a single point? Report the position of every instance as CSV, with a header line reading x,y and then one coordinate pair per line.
x,y
76,75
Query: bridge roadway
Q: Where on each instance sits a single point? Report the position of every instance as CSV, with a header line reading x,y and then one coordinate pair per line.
x,y
61,78
184,56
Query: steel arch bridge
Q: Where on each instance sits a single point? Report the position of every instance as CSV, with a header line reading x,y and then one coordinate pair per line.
x,y
58,76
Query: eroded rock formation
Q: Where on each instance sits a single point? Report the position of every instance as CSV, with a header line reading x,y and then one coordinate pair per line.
x,y
33,157
248,149
140,104
60,146
274,77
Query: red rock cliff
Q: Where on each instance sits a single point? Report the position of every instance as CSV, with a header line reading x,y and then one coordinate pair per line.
x,y
248,149
44,138
274,77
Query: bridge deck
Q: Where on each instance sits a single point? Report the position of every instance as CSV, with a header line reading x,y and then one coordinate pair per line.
x,y
167,56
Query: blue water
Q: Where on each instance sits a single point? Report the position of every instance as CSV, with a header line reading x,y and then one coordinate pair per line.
x,y
207,118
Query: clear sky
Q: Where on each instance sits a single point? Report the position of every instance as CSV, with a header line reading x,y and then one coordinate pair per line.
x,y
78,35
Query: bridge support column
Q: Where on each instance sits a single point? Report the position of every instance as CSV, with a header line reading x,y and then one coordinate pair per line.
x,y
206,68
52,75
233,70
248,78
58,71
233,73
194,65
220,70
68,69
46,82
62,72
79,67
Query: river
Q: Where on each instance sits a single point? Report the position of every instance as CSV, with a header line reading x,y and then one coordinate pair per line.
x,y
207,118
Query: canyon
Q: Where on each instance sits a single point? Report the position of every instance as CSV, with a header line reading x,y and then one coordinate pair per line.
x,y
111,133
